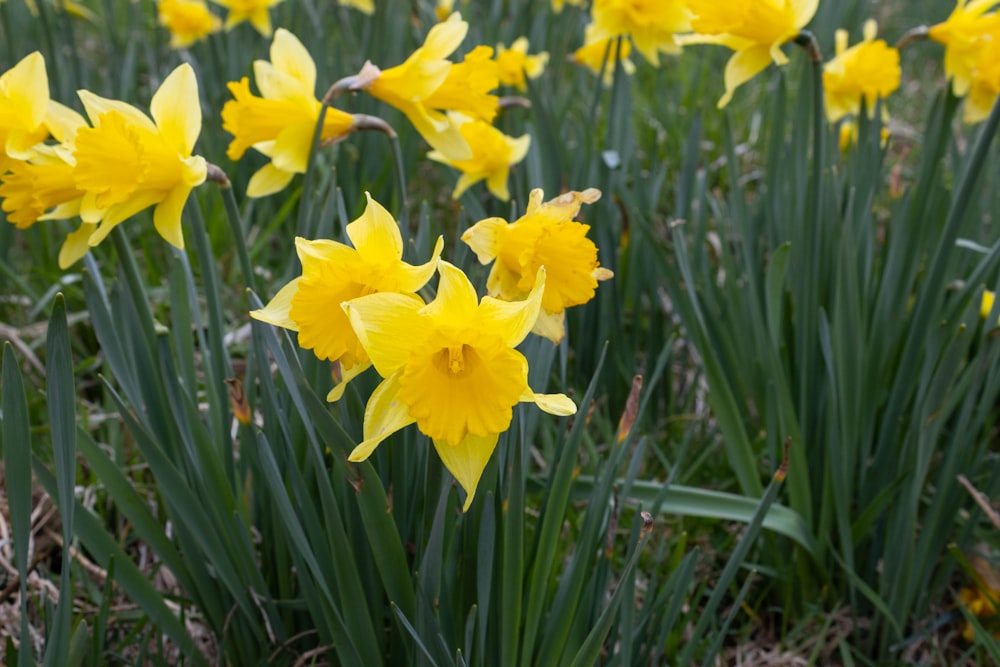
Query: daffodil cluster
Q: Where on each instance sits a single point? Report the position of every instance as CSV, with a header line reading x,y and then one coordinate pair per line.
x,y
54,165
971,36
449,365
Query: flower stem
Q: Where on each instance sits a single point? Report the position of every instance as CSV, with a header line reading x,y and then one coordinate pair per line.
x,y
913,35
216,175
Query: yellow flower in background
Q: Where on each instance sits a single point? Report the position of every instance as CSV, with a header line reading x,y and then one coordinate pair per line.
x,y
428,83
987,304
557,5
363,6
493,154
188,21
593,53
651,24
545,236
451,368
24,106
868,70
968,26
754,29
333,273
126,162
985,83
281,123
515,64
255,11
43,187
443,9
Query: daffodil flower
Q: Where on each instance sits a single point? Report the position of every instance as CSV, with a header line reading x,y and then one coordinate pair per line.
x,y
545,236
127,162
866,71
450,367
516,65
281,123
963,33
255,11
333,273
605,52
493,154
754,29
188,21
985,83
27,115
652,24
427,84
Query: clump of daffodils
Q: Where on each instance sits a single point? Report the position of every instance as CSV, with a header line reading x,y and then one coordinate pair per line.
x,y
449,365
56,166
868,71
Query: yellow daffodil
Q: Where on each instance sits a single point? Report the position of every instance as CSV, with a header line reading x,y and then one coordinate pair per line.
x,y
281,123
515,64
557,5
985,83
27,115
363,6
255,11
493,154
593,54
981,604
545,236
754,29
44,188
126,162
188,21
651,24
451,368
965,30
333,273
428,83
868,70
987,303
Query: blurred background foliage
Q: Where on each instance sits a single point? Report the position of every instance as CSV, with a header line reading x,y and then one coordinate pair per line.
x,y
765,297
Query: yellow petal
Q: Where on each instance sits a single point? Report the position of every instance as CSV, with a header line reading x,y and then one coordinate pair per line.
x,y
292,146
346,376
445,37
384,415
63,122
315,254
550,325
276,311
96,106
167,216
413,278
513,320
497,184
375,234
987,304
268,180
467,461
456,301
560,405
483,236
176,109
25,90
76,245
389,327
289,56
743,66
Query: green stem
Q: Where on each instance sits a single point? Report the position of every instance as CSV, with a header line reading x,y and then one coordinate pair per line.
x,y
216,175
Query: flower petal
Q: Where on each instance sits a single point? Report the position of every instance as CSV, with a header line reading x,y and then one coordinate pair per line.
x,y
76,245
513,320
550,325
375,234
96,106
560,405
276,311
456,298
167,216
413,278
467,461
176,109
743,66
389,326
288,55
26,90
384,415
267,180
483,238
292,147
345,377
